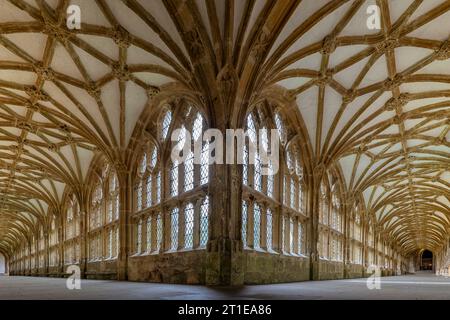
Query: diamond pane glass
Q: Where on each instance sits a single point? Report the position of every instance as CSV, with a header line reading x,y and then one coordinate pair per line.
x,y
244,223
189,226
149,191
204,222
174,180
174,229
139,197
198,127
189,172
204,167
166,124
158,187
256,226
159,232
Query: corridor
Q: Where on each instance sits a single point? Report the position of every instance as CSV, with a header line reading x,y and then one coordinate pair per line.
x,y
422,285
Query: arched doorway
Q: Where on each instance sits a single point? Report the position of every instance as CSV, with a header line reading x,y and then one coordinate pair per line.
x,y
426,263
2,264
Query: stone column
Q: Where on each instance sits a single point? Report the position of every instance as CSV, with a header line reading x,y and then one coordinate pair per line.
x,y
46,252
314,200
125,203
83,238
61,245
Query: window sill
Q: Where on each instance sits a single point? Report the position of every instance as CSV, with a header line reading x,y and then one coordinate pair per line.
x,y
110,259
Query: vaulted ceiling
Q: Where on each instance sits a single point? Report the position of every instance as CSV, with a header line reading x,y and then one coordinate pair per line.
x,y
373,101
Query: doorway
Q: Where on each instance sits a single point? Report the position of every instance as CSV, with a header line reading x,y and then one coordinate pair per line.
x,y
426,262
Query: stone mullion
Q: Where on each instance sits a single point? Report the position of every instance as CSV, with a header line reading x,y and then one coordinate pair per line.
x,y
250,224
36,255
263,227
197,173
29,258
196,229
154,240
144,235
295,249
287,233
84,234
181,174
364,253
181,226
46,252
275,229
167,217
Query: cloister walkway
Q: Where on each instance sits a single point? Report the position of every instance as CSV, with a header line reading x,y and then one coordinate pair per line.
x,y
422,285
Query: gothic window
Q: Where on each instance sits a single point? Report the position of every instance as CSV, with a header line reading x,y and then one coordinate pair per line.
x,y
262,186
103,216
161,179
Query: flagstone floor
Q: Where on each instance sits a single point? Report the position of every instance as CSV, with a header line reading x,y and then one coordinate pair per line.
x,y
422,285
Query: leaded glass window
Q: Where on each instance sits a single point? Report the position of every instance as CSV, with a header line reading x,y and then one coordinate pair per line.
x,y
256,226
189,226
174,229
204,222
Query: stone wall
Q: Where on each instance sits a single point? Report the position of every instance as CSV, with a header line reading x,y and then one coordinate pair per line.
x,y
330,270
178,267
261,268
102,270
354,271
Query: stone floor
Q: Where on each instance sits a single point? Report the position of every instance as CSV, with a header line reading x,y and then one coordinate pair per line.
x,y
419,286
